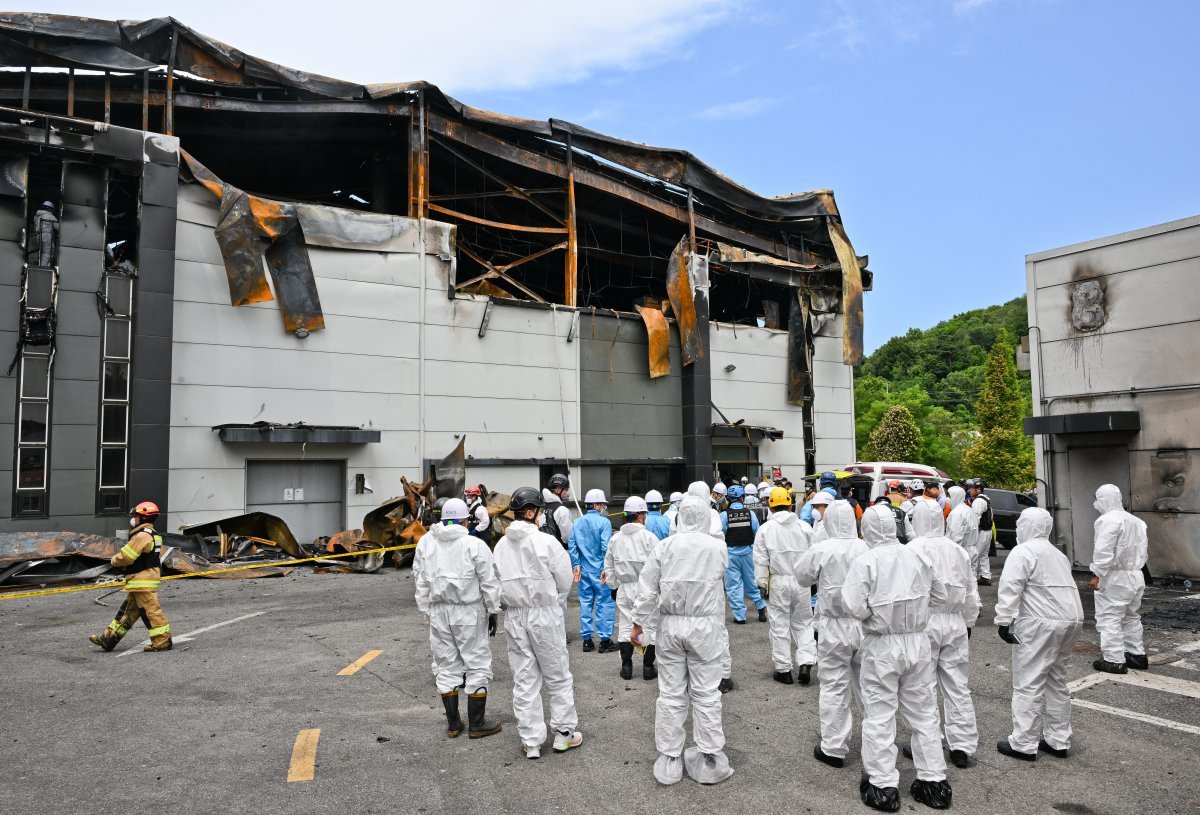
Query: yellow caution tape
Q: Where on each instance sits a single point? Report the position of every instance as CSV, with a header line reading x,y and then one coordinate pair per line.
x,y
113,584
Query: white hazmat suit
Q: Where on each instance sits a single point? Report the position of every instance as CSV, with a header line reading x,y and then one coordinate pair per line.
x,y
948,624
628,550
1120,553
981,514
826,563
682,590
534,572
456,589
778,547
961,521
890,589
1039,602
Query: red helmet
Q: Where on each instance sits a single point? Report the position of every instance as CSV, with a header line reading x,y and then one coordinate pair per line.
x,y
474,491
146,509
894,484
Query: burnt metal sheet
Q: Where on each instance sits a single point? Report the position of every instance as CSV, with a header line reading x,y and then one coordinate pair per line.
x,y
20,546
799,353
177,561
241,249
683,304
296,433
450,474
659,335
295,283
14,176
852,294
253,525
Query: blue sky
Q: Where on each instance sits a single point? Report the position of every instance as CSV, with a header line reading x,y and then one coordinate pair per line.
x,y
958,135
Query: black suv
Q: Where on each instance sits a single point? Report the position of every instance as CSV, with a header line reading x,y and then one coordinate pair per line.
x,y
1006,506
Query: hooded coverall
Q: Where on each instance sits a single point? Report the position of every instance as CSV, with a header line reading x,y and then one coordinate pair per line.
x,y
140,561
681,590
961,521
778,548
1120,553
628,551
890,589
456,589
1039,602
534,572
948,624
826,563
588,545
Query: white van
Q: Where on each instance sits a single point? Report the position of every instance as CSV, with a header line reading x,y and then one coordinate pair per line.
x,y
881,472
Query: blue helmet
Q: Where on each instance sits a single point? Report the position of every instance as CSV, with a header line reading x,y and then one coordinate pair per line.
x,y
828,480
735,492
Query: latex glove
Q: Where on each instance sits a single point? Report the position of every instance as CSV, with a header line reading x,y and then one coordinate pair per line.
x,y
765,592
491,625
614,593
1006,636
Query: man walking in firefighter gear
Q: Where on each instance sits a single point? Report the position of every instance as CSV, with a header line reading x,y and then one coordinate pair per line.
x,y
140,560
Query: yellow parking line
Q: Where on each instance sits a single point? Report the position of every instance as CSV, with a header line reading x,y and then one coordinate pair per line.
x,y
304,755
357,665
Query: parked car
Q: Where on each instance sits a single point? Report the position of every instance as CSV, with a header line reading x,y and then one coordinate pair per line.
x,y
1006,506
881,472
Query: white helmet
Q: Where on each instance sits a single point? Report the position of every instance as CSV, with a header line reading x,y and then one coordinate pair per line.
x,y
653,497
676,497
454,509
916,485
763,486
719,488
634,505
595,497
745,481
821,498
752,490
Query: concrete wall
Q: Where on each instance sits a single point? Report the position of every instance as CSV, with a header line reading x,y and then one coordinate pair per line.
x,y
1142,358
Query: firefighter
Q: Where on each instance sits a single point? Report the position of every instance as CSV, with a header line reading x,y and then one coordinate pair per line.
x,y
140,561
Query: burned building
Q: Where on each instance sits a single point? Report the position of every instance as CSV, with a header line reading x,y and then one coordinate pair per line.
x,y
1113,329
279,291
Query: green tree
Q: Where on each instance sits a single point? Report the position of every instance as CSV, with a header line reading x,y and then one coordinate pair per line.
x,y
896,438
1002,454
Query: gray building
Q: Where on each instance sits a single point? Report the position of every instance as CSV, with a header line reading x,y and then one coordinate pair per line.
x,y
283,292
1114,328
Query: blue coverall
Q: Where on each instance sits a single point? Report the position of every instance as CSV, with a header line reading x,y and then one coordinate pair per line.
x,y
658,524
806,513
588,545
739,577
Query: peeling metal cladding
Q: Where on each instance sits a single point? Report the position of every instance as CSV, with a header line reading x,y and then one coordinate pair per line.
x,y
683,304
14,176
241,249
337,228
176,561
799,360
295,283
450,474
253,524
20,546
658,333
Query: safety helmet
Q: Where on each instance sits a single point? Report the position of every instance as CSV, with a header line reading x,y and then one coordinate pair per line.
x,y
883,499
751,490
894,484
634,505
438,505
763,487
779,498
719,488
822,498
473,491
595,497
654,497
47,205
676,497
735,492
979,485
558,481
745,480
931,484
524,498
828,479
147,509
454,509
917,484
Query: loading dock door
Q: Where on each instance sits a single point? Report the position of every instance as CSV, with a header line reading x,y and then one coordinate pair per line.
x,y
308,495
1090,467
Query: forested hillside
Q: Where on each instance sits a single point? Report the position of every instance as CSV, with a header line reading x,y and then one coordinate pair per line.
x,y
939,375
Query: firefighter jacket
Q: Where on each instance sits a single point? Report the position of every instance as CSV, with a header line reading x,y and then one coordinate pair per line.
x,y
140,559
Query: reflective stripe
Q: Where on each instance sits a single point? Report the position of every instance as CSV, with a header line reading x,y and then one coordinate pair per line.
x,y
141,584
128,551
162,629
116,627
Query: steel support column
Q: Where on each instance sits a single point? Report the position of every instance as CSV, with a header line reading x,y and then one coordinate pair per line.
x,y
696,396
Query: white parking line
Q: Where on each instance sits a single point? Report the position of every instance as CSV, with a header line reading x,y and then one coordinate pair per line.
x,y
1139,717
1141,679
190,635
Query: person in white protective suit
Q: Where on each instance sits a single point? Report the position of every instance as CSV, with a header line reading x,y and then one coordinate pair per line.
x,y
682,591
826,563
1118,557
981,510
949,627
820,505
890,589
534,572
714,517
673,509
456,589
628,551
778,548
1038,612
960,521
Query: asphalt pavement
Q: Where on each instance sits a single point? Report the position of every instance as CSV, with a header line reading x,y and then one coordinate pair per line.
x,y
212,725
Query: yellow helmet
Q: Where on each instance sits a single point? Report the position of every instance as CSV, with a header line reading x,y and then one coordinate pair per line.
x,y
779,498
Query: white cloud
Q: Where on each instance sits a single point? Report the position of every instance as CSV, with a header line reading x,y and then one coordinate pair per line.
x,y
460,45
740,109
967,6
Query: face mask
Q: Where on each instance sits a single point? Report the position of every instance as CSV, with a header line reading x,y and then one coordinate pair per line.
x,y
133,522
819,513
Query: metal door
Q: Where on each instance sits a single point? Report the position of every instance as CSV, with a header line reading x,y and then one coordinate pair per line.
x,y
308,495
1089,468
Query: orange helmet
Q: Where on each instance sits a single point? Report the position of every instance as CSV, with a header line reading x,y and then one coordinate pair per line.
x,y
146,509
474,491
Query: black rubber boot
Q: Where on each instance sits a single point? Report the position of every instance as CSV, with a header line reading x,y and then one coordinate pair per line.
x,y
833,761
453,720
1110,667
649,671
783,677
933,794
607,647
960,759
627,660
1137,661
588,645
762,614
804,674
1006,749
726,685
477,725
1045,747
885,800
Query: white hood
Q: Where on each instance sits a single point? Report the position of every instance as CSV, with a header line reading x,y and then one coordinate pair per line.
x,y
694,514
1034,523
1108,498
878,527
839,520
447,532
927,520
957,496
699,489
520,530
784,517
